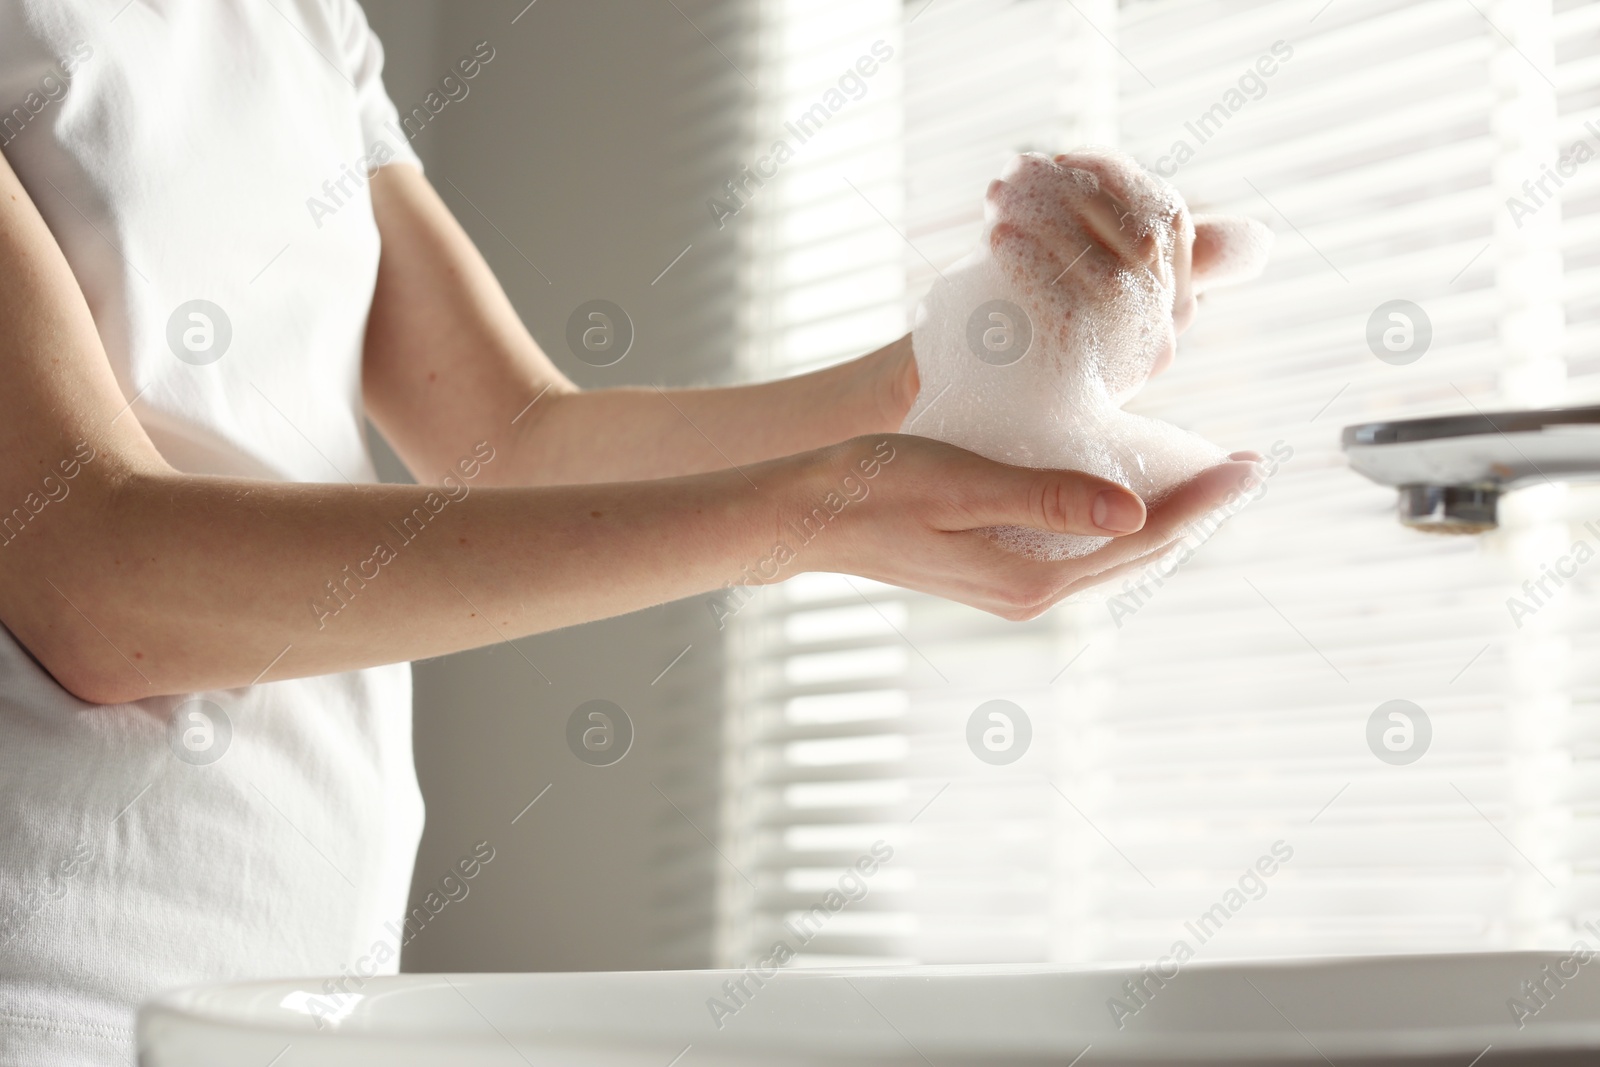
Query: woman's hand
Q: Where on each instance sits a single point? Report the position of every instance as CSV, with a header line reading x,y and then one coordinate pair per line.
x,y
1077,230
1072,251
914,513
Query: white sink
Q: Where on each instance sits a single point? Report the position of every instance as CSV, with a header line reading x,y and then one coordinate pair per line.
x,y
1410,1009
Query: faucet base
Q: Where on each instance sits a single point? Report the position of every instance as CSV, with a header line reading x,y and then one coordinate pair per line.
x,y
1449,509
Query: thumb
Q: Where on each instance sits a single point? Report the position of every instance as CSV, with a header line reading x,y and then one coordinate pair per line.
x,y
1063,502
1228,249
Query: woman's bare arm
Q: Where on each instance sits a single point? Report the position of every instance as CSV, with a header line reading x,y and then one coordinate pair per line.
x,y
446,352
141,581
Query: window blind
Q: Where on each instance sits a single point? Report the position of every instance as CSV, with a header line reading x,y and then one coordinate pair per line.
x,y
1186,726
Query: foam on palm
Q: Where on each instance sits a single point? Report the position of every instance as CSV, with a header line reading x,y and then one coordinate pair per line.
x,y
1098,329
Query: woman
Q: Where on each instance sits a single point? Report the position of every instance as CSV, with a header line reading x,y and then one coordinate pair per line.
x,y
194,557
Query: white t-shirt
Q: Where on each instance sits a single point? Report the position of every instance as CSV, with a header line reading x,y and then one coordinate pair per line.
x,y
175,148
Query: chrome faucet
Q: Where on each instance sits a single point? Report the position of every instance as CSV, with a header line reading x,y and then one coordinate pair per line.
x,y
1451,470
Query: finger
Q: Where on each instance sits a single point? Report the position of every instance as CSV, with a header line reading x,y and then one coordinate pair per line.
x,y
1166,353
1142,560
1086,223
1175,515
1228,249
1121,186
1046,583
1063,502
1133,566
1183,293
1110,222
1088,207
1114,177
1058,261
1183,305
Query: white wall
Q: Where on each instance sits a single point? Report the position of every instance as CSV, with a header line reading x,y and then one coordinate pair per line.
x,y
591,141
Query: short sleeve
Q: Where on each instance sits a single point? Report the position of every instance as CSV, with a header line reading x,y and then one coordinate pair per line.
x,y
382,135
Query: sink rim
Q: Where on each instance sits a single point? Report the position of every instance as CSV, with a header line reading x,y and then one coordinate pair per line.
x,y
230,1006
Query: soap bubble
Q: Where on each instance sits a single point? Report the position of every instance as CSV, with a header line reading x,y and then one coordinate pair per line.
x,y
1096,328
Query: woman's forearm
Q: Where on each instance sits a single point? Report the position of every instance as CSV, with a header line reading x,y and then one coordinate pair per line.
x,y
144,582
633,433
447,356
179,584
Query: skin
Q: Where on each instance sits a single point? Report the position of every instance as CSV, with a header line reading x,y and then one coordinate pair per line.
x,y
1040,212
1073,254
148,581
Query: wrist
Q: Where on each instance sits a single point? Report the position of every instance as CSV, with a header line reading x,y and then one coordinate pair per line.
x,y
872,393
824,501
774,542
894,384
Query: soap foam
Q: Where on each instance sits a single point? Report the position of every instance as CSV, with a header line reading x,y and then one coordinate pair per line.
x,y
1098,327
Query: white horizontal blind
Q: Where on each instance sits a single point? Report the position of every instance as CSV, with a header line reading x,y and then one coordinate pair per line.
x,y
848,689
816,737
1567,660
1382,151
1185,727
997,856
824,259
